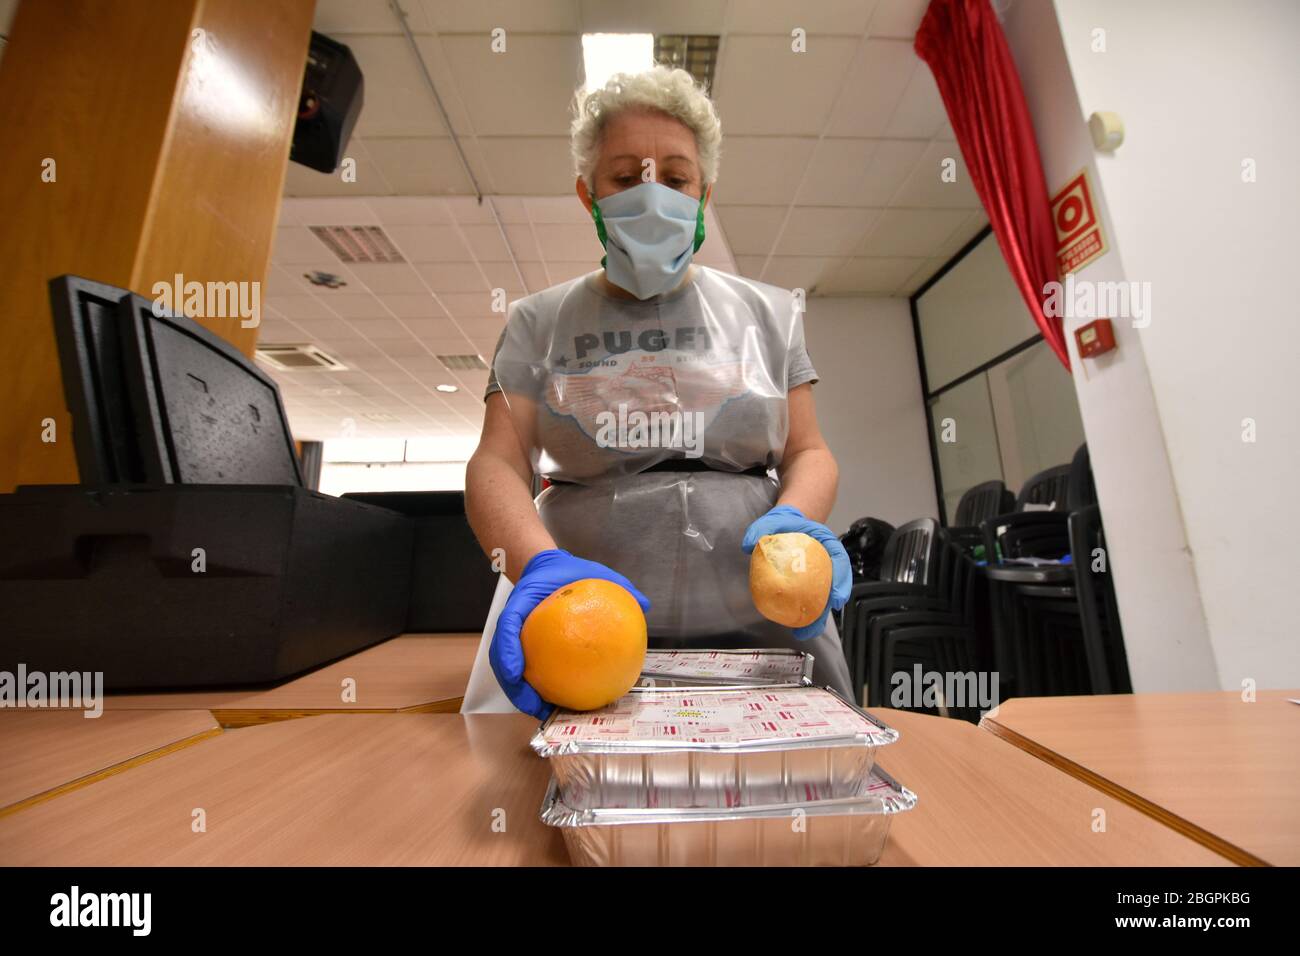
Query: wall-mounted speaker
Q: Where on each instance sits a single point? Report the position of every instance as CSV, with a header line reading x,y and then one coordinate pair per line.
x,y
332,94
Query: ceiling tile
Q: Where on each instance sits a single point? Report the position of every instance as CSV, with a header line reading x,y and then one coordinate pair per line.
x,y
406,108
525,90
920,113
430,243
662,16
334,17
910,232
423,166
781,16
569,243
535,276
298,306
417,306
798,272
523,243
891,163
876,80
897,18
837,172
556,209
926,186
376,328
748,162
503,275
763,87
534,166
751,230
295,245
486,242
430,329
963,234
365,178
482,16
462,304
868,277
921,276
382,278
410,210
352,305
824,231
453,277
332,212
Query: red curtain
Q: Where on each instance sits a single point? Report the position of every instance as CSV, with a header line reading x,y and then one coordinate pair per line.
x,y
962,43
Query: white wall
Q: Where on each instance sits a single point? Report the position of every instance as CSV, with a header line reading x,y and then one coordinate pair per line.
x,y
1165,629
1200,89
870,408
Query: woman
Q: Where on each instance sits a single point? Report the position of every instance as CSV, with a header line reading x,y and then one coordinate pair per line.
x,y
656,395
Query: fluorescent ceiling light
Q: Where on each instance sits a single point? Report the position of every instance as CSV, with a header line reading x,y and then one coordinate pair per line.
x,y
604,54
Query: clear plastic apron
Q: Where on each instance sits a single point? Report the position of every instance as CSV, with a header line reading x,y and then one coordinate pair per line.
x,y
600,389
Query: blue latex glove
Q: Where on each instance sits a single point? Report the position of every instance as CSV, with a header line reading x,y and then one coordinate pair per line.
x,y
787,518
546,573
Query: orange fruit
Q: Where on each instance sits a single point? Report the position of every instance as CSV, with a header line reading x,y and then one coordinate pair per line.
x,y
584,646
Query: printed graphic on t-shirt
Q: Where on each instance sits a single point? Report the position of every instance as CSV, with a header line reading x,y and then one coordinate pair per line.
x,y
641,400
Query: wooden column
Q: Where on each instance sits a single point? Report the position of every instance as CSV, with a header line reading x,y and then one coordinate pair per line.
x,y
141,139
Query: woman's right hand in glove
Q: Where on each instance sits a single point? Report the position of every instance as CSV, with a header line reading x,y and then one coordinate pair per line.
x,y
546,573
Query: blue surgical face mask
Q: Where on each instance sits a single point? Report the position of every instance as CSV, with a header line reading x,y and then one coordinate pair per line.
x,y
650,232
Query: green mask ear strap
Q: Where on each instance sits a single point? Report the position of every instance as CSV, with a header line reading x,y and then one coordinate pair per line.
x,y
600,229
699,226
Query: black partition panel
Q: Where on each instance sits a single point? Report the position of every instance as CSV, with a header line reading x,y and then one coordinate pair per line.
x,y
94,380
204,412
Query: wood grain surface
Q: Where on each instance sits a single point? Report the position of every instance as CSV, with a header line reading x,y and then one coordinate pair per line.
x,y
47,752
1222,771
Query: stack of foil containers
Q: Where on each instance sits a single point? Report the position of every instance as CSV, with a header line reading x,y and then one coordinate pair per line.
x,y
721,758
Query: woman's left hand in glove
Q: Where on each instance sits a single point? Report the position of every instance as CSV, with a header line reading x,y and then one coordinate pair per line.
x,y
787,518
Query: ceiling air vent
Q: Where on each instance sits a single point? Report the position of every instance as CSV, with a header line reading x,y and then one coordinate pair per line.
x,y
294,358
462,363
358,243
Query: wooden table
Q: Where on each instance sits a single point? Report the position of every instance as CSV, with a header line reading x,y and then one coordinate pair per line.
x,y
414,673
1221,771
44,753
336,790
427,789
983,802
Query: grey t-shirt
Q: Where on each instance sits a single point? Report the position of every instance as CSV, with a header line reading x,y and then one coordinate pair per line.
x,y
706,367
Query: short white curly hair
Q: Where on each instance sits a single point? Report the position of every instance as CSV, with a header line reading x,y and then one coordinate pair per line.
x,y
666,89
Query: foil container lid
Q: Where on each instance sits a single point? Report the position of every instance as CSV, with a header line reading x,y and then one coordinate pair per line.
x,y
732,719
721,667
882,795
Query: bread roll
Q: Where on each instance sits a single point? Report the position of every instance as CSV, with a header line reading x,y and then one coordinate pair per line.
x,y
790,578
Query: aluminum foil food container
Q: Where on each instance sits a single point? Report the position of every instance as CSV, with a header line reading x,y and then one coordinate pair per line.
x,y
726,668
844,832
714,747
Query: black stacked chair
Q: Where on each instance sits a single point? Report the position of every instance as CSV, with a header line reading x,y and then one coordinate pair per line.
x,y
978,504
944,638
1055,627
908,579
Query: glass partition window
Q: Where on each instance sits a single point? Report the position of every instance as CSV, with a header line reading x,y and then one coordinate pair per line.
x,y
1000,404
